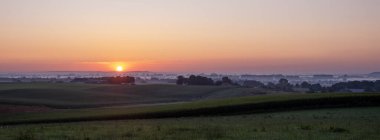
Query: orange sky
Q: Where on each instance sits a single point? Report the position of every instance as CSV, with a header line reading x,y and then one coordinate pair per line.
x,y
239,36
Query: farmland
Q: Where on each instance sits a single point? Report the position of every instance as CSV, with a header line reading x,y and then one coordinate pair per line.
x,y
90,95
349,123
87,111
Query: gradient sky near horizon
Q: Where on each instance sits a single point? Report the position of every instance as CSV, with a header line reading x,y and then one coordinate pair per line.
x,y
227,36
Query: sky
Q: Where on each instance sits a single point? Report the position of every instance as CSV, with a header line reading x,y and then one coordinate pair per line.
x,y
224,36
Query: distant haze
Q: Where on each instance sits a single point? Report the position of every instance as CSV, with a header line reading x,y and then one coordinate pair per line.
x,y
230,36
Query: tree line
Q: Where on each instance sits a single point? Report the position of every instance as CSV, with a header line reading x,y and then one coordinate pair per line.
x,y
106,80
201,80
285,85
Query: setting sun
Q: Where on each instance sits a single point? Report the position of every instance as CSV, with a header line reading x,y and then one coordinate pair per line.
x,y
119,68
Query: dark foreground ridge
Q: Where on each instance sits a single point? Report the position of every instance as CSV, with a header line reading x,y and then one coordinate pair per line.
x,y
247,108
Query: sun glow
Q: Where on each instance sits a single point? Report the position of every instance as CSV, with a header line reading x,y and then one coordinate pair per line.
x,y
119,68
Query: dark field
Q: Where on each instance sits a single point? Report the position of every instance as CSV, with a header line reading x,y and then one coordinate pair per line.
x,y
87,95
326,124
84,111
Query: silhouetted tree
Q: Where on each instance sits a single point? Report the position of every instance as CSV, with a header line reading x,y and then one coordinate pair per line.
x,y
316,88
305,85
297,86
218,83
338,87
226,80
120,80
377,85
271,85
284,85
199,80
283,82
181,80
368,86
107,80
131,80
253,83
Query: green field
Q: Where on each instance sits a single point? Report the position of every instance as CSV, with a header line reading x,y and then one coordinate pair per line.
x,y
85,111
350,123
